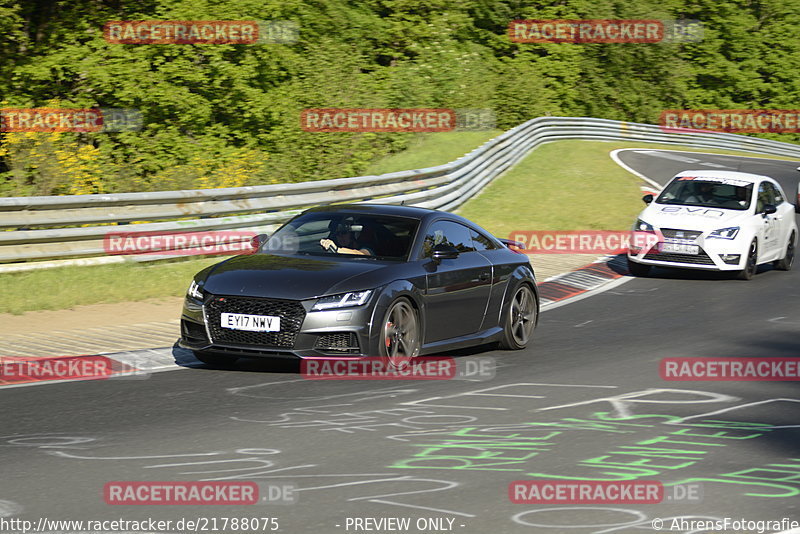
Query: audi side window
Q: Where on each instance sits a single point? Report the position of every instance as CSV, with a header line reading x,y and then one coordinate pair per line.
x,y
480,241
447,233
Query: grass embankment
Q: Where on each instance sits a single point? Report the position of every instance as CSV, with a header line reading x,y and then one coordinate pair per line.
x,y
567,185
432,149
66,287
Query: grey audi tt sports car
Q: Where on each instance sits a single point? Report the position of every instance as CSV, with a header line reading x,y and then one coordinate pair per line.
x,y
363,280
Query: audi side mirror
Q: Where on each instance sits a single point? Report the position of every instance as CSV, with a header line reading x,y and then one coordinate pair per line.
x,y
769,209
444,252
647,199
257,240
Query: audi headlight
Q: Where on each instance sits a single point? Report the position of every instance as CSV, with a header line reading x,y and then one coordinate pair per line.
x,y
642,226
343,300
725,233
194,291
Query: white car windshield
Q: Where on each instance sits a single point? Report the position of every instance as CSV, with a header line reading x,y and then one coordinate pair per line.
x,y
713,193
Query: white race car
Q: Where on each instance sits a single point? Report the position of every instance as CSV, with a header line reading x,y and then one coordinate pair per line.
x,y
715,220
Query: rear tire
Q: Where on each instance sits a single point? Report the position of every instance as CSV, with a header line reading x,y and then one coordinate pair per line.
x,y
751,266
638,269
215,360
785,263
520,319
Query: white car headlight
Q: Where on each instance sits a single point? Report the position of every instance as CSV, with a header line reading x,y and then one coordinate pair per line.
x,y
194,291
343,300
725,233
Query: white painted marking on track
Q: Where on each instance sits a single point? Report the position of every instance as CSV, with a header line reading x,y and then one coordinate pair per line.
x,y
615,156
437,510
77,457
622,403
135,375
714,154
667,155
583,279
738,407
9,508
707,164
592,292
484,392
627,292
236,390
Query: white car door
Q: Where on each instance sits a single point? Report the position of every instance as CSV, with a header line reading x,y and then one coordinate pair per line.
x,y
770,229
785,217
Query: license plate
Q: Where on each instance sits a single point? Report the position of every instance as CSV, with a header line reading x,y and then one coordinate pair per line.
x,y
680,248
251,323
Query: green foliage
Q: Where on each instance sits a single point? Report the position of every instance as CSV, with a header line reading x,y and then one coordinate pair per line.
x,y
222,115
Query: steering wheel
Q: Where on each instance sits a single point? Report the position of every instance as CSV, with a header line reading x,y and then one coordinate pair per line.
x,y
332,248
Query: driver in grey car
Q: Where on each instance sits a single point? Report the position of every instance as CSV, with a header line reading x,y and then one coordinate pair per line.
x,y
343,240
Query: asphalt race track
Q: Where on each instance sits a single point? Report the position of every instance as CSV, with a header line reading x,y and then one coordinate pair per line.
x,y
585,400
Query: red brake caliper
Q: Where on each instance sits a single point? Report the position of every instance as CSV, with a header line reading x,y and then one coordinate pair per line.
x,y
388,340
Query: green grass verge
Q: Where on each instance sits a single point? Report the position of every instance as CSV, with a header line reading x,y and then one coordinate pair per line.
x,y
431,149
67,287
566,185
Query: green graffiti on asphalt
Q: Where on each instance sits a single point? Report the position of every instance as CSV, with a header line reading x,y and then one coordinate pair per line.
x,y
472,450
766,477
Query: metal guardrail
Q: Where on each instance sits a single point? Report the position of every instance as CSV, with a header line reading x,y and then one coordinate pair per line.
x,y
33,229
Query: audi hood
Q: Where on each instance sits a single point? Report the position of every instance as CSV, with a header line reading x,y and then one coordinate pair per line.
x,y
291,277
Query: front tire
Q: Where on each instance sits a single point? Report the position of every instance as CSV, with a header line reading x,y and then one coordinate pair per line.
x,y
785,263
400,334
751,264
215,360
520,319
